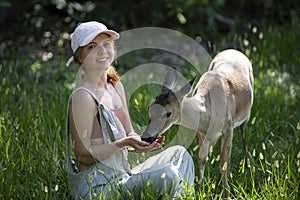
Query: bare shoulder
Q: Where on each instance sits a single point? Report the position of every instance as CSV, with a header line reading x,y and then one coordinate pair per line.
x,y
120,88
83,99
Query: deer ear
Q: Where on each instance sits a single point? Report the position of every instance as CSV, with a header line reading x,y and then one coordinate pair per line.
x,y
185,90
170,80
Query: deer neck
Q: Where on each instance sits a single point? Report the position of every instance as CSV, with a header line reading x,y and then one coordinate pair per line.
x,y
194,113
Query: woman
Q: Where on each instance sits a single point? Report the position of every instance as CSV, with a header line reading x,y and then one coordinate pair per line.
x,y
101,130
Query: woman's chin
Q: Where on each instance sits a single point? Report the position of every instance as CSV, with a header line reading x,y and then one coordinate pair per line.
x,y
103,66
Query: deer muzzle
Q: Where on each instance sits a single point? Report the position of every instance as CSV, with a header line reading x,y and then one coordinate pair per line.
x,y
149,139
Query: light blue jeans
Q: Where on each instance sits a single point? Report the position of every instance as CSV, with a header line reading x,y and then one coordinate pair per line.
x,y
166,171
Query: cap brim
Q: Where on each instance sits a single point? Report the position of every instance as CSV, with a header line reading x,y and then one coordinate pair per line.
x,y
114,35
70,60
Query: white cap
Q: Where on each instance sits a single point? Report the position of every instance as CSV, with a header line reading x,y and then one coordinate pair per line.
x,y
85,33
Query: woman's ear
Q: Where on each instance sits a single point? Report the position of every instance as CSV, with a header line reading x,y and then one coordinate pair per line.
x,y
77,56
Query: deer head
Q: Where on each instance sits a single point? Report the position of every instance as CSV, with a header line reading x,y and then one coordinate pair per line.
x,y
166,109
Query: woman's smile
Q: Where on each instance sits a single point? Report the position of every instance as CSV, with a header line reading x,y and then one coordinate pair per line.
x,y
103,59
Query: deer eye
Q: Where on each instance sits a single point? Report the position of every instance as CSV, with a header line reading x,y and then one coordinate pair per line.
x,y
168,114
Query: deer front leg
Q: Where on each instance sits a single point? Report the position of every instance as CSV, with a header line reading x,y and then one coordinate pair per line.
x,y
226,145
203,151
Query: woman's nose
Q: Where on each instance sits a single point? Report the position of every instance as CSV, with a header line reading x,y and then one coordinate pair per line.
x,y
100,49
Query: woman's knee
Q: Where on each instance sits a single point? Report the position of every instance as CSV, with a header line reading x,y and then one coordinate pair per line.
x,y
177,148
180,153
184,163
170,177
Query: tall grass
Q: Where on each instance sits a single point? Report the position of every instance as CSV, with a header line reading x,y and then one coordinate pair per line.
x,y
33,105
33,98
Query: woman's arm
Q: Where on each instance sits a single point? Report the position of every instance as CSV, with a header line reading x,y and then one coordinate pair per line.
x,y
128,126
83,111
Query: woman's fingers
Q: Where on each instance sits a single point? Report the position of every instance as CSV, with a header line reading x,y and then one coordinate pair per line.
x,y
143,146
160,139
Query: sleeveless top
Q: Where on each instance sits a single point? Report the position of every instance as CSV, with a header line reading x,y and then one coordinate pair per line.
x,y
115,167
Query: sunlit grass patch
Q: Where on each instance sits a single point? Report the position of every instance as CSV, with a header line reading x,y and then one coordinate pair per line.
x,y
33,98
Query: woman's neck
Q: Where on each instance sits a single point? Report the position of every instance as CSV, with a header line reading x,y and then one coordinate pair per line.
x,y
95,81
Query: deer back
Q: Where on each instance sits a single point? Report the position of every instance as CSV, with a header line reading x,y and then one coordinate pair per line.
x,y
229,83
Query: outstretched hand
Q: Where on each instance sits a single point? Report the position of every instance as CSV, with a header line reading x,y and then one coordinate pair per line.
x,y
141,146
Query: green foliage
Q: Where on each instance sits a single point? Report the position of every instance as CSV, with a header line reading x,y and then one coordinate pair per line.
x,y
33,98
32,131
205,18
4,3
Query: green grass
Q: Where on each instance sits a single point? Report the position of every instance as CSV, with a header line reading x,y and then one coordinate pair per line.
x,y
33,98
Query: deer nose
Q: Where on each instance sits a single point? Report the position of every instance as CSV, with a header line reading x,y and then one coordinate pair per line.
x,y
149,139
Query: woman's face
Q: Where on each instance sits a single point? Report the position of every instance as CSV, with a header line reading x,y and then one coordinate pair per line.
x,y
99,53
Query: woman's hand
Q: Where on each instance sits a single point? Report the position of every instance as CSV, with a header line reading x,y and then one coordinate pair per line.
x,y
135,142
141,146
160,140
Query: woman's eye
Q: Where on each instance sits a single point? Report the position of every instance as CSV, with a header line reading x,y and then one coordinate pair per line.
x,y
107,44
92,46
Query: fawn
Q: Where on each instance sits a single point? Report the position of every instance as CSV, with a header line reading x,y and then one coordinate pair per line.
x,y
221,101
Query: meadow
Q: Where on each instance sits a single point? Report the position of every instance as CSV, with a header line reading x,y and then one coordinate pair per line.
x,y
33,99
